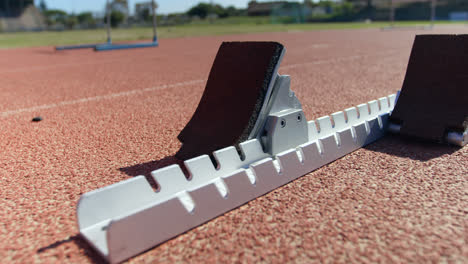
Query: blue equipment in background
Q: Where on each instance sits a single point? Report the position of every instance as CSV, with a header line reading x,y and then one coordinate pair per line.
x,y
109,45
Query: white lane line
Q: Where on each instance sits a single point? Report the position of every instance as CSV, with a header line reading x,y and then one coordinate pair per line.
x,y
108,61
349,58
62,65
127,93
97,98
318,62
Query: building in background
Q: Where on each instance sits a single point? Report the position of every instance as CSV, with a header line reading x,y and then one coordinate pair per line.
x,y
20,15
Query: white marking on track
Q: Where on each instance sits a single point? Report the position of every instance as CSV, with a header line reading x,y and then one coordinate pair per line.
x,y
349,58
318,62
161,87
97,98
61,65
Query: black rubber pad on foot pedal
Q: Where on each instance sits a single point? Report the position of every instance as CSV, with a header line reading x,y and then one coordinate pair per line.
x,y
237,87
434,97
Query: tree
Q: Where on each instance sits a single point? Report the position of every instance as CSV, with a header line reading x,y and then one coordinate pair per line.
x,y
71,21
116,18
147,15
42,6
201,10
233,11
55,16
367,3
86,18
219,11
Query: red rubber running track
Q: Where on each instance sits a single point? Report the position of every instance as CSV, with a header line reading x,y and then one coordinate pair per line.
x,y
113,115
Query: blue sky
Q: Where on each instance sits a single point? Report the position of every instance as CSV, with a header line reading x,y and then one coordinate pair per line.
x,y
165,6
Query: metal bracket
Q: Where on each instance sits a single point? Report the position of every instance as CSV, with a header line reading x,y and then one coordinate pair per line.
x,y
286,126
127,218
286,129
452,137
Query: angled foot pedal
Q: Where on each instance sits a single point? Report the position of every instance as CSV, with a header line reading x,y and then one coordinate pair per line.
x,y
433,103
276,143
234,104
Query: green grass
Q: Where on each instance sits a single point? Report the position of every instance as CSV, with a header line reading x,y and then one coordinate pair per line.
x,y
201,28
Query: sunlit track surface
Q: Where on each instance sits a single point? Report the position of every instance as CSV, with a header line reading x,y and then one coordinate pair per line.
x,y
174,85
393,201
